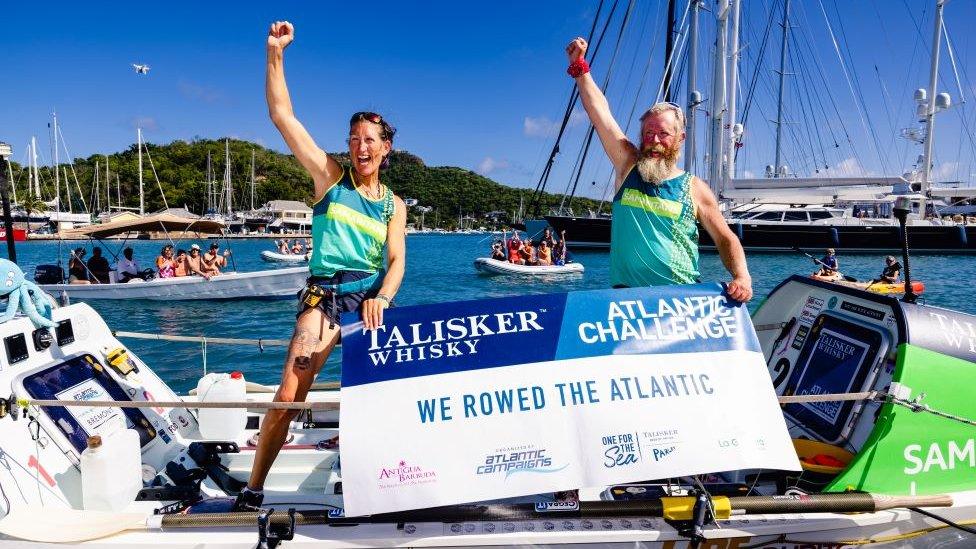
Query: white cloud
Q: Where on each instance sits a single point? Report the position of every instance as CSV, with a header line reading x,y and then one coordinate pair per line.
x,y
490,164
544,127
748,174
849,167
207,94
945,171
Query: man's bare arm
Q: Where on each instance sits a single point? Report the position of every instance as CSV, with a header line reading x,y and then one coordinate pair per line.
x,y
324,170
729,247
622,153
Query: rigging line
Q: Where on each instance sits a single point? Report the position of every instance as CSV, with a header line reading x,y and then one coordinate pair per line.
x,y
606,85
847,77
809,121
751,93
158,184
573,96
820,105
674,54
73,173
885,98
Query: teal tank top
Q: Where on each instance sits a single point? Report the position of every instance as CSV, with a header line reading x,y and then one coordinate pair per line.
x,y
349,229
653,236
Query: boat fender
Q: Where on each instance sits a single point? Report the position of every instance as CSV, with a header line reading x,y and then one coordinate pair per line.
x,y
118,359
683,507
739,232
835,237
963,240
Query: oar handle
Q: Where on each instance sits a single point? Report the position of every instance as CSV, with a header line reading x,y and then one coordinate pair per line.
x,y
883,502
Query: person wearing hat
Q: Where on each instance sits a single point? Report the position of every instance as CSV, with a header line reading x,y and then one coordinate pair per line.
x,y
828,264
127,267
213,261
891,271
194,262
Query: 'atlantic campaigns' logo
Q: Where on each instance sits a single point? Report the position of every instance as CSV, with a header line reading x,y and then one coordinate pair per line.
x,y
519,459
405,474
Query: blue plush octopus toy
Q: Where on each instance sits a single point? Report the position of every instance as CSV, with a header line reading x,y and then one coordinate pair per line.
x,y
24,295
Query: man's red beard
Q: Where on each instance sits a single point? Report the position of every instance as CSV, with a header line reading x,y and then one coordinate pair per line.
x,y
655,169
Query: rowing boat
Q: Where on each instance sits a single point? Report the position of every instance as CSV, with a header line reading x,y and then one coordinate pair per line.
x,y
871,286
490,266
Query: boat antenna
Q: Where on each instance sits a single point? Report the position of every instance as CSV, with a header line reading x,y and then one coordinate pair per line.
x,y
8,221
903,205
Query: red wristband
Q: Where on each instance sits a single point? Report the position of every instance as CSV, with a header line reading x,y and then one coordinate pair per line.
x,y
578,68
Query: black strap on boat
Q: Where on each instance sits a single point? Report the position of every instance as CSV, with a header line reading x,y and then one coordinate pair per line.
x,y
207,457
270,534
943,520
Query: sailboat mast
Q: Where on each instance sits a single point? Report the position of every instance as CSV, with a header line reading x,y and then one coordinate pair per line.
x,y
931,110
668,49
733,136
227,184
693,95
252,180
37,175
777,166
108,188
718,100
142,205
10,177
98,196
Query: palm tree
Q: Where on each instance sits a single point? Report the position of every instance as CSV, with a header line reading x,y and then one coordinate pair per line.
x,y
32,204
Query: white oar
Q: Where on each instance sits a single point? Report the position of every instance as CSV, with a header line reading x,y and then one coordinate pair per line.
x,y
48,525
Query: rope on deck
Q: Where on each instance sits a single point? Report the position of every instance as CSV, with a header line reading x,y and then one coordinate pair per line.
x,y
204,339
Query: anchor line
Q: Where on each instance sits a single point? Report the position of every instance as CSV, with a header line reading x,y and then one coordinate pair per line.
x,y
916,406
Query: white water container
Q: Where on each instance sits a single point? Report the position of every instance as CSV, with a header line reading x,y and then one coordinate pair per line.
x,y
111,471
222,423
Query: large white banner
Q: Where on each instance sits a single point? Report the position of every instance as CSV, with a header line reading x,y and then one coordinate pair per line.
x,y
463,402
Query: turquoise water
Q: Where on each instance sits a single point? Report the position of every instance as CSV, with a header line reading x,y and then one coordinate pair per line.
x,y
439,268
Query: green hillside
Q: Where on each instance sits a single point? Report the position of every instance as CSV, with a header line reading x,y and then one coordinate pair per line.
x,y
181,169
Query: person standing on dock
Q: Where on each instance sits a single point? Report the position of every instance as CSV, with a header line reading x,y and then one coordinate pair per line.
x,y
354,218
654,237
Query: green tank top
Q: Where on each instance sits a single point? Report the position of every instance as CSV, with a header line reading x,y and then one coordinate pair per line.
x,y
653,237
349,229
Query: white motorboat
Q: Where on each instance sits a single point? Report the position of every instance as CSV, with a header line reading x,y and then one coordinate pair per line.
x,y
275,257
265,284
41,480
491,266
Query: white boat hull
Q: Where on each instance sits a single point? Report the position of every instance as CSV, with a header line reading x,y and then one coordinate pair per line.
x,y
275,257
267,284
496,267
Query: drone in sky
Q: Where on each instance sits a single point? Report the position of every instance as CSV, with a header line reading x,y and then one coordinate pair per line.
x,y
141,69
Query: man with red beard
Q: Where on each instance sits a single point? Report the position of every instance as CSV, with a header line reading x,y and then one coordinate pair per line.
x,y
654,235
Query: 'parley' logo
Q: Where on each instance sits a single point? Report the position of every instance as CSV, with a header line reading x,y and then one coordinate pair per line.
x,y
405,475
445,338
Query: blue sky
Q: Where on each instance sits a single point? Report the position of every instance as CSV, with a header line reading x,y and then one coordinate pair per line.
x,y
476,85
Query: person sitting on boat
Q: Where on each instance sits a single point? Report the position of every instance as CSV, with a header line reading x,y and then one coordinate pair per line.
x,y
181,269
528,252
283,247
296,248
828,264
548,238
544,255
654,235
559,249
354,218
891,271
498,250
165,264
98,267
514,249
128,268
194,262
213,261
77,271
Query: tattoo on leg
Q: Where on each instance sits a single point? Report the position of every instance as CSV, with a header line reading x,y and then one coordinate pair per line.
x,y
303,344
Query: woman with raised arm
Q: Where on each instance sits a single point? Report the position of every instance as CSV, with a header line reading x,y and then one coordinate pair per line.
x,y
354,218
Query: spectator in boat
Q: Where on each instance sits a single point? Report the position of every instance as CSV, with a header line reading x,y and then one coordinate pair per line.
x,y
528,252
77,271
348,275
296,248
828,264
283,247
560,249
654,235
213,260
544,254
98,267
498,250
128,268
165,264
548,238
891,271
514,249
180,269
194,262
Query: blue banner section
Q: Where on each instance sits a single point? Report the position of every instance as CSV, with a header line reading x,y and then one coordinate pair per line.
x,y
473,335
663,319
450,337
